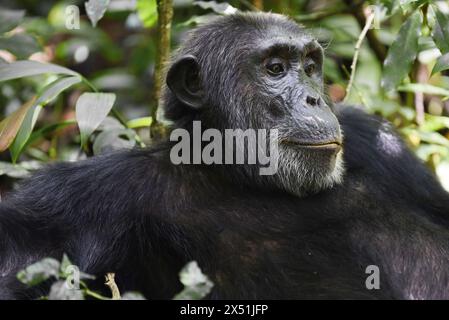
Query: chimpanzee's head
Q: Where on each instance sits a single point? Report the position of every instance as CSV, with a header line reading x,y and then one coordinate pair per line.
x,y
261,71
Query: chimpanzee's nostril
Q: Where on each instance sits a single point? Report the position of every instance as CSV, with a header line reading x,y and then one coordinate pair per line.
x,y
313,101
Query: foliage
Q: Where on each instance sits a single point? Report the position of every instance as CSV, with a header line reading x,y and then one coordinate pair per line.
x,y
196,284
70,93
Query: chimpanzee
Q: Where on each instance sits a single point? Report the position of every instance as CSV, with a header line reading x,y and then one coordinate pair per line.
x,y
347,195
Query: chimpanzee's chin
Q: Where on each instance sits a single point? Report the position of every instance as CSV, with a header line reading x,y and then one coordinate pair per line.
x,y
322,169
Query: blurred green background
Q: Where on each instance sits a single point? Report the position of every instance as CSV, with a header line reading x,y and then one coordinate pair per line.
x,y
401,71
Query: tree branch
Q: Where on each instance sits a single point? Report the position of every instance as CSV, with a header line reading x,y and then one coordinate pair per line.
x,y
358,45
165,16
356,9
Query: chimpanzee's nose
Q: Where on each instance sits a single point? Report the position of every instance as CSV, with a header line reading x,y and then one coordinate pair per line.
x,y
313,101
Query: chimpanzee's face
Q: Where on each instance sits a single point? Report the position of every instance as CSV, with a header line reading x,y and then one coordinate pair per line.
x,y
265,75
285,73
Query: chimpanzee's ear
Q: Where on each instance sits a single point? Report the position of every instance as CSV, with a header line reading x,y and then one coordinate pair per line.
x,y
184,81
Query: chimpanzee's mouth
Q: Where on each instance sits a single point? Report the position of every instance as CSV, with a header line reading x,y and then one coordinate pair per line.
x,y
329,145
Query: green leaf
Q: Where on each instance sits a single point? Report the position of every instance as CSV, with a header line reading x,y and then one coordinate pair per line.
x,y
434,123
424,88
429,137
220,8
11,124
115,139
50,128
139,122
26,68
96,9
26,128
91,110
196,284
65,263
147,11
21,45
39,271
9,19
60,291
131,295
441,31
442,64
402,53
24,131
20,170
442,171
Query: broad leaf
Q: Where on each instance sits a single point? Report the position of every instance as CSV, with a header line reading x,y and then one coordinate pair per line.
x,y
39,271
9,19
20,170
196,284
139,122
26,68
50,92
21,45
115,139
402,53
91,110
11,124
441,31
60,291
442,64
424,88
220,8
147,11
131,295
24,131
96,9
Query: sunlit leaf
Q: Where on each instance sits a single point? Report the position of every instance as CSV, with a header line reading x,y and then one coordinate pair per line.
x,y
39,271
26,128
60,291
147,11
220,8
91,110
20,170
402,53
96,9
196,284
9,19
11,124
434,123
429,137
442,171
139,122
26,68
424,88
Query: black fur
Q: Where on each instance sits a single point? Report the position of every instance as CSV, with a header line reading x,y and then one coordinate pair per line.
x,y
136,214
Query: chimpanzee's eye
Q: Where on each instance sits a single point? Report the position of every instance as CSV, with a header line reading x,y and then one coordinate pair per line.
x,y
310,69
275,67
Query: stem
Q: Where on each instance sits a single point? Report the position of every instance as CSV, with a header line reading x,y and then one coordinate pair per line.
x,y
110,282
165,16
94,294
358,45
356,8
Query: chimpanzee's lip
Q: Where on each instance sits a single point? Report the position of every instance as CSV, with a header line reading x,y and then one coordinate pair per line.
x,y
314,145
